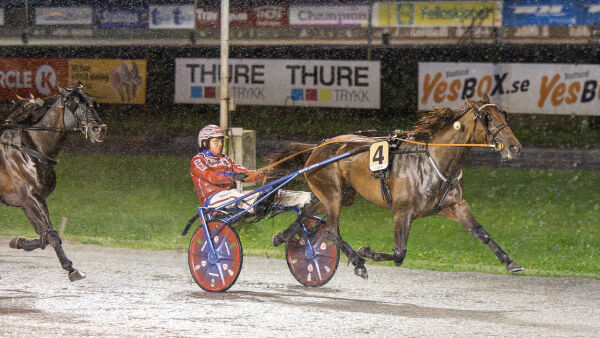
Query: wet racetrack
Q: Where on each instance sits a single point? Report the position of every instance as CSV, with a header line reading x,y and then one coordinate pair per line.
x,y
140,293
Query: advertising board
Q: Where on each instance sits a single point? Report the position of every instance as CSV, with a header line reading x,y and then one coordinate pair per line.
x,y
63,15
516,87
275,82
437,14
255,16
110,17
31,76
540,13
329,15
172,17
111,80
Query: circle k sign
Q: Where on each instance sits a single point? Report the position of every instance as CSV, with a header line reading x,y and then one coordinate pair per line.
x,y
31,76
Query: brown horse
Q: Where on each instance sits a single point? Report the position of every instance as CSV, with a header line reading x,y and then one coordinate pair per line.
x,y
30,140
422,181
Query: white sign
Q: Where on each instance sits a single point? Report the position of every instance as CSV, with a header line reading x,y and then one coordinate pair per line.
x,y
316,83
1,16
172,17
340,15
516,87
63,15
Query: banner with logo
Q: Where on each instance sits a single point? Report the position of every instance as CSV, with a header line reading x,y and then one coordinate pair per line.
x,y
111,80
588,13
31,76
63,15
274,82
540,13
329,15
437,14
517,87
172,17
243,16
110,17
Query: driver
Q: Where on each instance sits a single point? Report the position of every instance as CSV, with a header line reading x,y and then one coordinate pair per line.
x,y
215,175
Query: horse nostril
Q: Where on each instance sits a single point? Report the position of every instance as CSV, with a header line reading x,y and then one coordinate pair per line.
x,y
515,149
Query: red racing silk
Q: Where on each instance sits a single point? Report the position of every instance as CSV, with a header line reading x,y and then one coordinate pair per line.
x,y
213,173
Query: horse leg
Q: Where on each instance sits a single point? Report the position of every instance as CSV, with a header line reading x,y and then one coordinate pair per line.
x,y
462,213
402,224
36,211
332,232
310,209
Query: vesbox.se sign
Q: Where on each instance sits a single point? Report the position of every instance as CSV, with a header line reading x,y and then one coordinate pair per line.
x,y
517,87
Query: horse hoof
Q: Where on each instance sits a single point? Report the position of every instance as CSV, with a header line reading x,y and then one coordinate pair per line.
x,y
277,240
514,267
16,243
361,272
75,275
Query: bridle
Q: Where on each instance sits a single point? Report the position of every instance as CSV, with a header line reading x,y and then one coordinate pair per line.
x,y
83,123
485,120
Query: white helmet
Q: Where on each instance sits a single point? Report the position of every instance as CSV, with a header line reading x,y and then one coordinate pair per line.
x,y
210,131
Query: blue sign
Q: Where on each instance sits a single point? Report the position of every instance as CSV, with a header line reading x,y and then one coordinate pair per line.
x,y
122,17
540,13
588,13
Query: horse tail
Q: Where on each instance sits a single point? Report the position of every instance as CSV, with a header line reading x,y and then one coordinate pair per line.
x,y
291,158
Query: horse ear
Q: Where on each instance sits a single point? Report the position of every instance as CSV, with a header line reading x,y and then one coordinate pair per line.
x,y
79,84
472,103
61,88
486,98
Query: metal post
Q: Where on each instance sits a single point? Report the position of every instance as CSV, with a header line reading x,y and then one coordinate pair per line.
x,y
370,30
224,102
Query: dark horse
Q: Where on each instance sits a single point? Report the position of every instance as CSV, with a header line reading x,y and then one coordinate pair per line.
x,y
30,140
423,180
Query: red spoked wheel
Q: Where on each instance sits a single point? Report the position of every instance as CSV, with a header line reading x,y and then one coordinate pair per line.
x,y
215,273
312,267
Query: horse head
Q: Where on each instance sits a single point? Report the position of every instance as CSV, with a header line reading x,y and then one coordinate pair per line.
x,y
79,109
489,124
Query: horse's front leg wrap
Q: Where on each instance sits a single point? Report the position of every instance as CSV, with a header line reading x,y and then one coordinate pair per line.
x,y
479,232
399,256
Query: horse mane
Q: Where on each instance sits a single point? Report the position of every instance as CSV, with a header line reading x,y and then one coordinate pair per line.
x,y
28,111
431,122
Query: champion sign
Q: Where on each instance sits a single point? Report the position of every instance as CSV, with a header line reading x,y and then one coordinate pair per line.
x,y
317,83
333,15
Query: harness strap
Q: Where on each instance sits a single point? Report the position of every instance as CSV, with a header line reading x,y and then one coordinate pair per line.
x,y
385,191
31,152
450,183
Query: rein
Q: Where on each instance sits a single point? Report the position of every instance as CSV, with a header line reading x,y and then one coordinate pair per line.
x,y
34,152
272,165
450,183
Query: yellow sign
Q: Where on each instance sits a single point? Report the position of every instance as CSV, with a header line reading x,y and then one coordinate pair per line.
x,y
111,80
438,14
